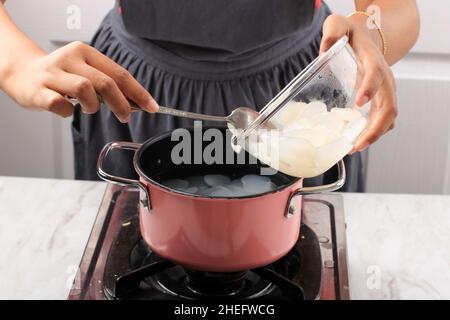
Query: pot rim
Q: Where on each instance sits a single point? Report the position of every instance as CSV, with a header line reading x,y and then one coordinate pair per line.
x,y
140,172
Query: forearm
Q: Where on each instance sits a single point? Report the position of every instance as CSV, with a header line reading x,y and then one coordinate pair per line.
x,y
399,21
14,45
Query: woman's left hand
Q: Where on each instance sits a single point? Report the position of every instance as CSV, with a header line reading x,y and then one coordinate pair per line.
x,y
377,85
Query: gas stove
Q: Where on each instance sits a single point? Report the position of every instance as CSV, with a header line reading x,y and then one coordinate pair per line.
x,y
117,264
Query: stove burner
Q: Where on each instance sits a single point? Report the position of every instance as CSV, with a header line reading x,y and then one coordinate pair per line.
x,y
211,283
149,275
182,283
190,284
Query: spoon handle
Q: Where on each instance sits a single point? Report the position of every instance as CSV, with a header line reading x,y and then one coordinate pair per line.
x,y
191,115
169,111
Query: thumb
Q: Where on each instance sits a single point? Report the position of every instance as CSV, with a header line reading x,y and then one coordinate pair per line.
x,y
334,28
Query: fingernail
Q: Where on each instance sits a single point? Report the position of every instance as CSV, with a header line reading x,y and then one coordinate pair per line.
x,y
151,105
359,148
364,100
364,146
125,119
154,105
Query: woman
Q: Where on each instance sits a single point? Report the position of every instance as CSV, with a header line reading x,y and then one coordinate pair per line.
x,y
209,57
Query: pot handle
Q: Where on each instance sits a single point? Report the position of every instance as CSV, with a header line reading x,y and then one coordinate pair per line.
x,y
292,208
145,200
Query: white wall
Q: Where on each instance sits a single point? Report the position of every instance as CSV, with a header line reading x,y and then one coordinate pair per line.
x,y
414,158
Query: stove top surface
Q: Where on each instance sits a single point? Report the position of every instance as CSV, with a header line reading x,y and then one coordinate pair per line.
x,y
117,264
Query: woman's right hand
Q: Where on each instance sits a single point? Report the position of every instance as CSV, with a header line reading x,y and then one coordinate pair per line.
x,y
41,82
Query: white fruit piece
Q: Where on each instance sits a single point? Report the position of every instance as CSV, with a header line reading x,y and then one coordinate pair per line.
x,y
217,191
266,150
254,184
269,158
192,190
299,154
290,113
296,170
236,183
214,180
275,123
354,129
315,136
303,123
196,181
260,151
330,154
328,123
346,114
236,192
313,108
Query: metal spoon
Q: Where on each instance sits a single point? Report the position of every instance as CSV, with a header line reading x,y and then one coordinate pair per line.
x,y
240,118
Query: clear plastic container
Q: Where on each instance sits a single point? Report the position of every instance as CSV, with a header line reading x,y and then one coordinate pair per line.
x,y
315,115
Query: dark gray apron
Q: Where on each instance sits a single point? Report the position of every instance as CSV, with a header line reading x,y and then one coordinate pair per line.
x,y
202,56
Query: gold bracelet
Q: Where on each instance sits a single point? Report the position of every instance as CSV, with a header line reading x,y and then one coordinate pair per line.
x,y
380,31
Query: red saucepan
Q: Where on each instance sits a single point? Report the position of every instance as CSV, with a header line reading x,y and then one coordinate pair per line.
x,y
214,234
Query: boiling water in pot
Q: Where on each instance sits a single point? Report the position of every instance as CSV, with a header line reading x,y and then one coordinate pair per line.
x,y
218,185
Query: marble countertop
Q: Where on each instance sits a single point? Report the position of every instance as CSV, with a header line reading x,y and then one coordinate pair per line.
x,y
398,245
44,228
